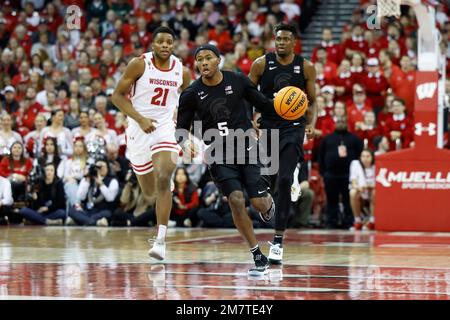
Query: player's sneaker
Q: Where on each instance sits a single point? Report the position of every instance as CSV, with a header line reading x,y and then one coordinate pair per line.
x,y
261,266
157,275
357,226
370,226
267,216
158,251
275,253
296,191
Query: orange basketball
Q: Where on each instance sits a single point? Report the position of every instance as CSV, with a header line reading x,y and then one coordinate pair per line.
x,y
290,103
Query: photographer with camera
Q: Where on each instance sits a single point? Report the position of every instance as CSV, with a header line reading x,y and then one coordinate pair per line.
x,y
48,201
135,208
96,197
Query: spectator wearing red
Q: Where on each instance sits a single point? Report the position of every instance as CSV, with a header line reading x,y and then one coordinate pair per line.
x,y
31,140
394,52
386,65
386,112
23,37
393,34
221,35
324,124
23,77
376,84
328,94
320,77
16,168
25,118
329,67
357,107
334,51
399,127
101,103
357,68
368,130
403,83
243,61
7,65
356,42
144,36
344,82
185,200
373,47
339,111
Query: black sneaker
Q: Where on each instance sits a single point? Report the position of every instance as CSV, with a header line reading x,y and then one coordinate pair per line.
x,y
261,266
267,216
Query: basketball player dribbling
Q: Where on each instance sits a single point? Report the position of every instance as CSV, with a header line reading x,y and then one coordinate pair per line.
x,y
218,98
272,72
154,82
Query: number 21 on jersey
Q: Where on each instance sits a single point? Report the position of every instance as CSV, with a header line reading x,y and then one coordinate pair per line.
x,y
160,97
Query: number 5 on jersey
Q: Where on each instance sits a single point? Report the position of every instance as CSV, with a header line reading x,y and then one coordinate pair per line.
x,y
223,129
160,97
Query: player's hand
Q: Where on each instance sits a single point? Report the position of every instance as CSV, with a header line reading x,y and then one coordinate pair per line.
x,y
309,131
147,125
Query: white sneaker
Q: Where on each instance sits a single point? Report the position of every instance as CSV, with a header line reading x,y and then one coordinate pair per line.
x,y
70,222
296,191
54,222
158,251
157,275
103,222
171,223
275,253
187,223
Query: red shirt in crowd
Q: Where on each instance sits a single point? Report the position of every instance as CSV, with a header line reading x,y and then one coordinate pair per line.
x,y
403,124
403,85
357,115
18,168
193,203
376,86
344,80
27,118
368,134
334,52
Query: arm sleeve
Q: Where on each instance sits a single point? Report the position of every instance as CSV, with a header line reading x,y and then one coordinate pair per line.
x,y
254,96
60,201
110,193
186,109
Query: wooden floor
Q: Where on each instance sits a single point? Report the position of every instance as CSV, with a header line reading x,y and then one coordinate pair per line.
x,y
112,263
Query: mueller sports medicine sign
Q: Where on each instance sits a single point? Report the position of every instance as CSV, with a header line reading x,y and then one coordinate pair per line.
x,y
414,179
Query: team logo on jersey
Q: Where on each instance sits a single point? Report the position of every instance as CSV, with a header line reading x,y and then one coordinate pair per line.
x,y
228,90
296,69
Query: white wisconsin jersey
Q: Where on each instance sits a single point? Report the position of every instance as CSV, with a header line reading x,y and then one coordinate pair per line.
x,y
156,93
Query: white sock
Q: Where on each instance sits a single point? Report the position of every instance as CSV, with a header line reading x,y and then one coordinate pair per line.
x,y
357,219
372,219
162,229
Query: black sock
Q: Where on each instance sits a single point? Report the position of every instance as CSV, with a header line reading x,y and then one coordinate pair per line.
x,y
278,239
258,256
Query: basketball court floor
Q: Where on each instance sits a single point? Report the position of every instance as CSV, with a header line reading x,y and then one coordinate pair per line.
x,y
112,263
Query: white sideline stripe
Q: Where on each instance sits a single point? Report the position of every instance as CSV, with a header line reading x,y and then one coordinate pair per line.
x,y
299,289
15,297
291,275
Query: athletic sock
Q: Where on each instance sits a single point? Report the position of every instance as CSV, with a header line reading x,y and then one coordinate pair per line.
x,y
278,239
357,219
372,219
162,229
260,259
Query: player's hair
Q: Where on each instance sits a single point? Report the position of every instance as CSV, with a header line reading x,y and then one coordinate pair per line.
x,y
163,30
286,27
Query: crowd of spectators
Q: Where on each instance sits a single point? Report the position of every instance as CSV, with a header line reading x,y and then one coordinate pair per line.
x,y
60,133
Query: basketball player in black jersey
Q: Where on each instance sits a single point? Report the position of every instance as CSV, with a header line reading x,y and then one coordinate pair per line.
x,y
218,99
273,72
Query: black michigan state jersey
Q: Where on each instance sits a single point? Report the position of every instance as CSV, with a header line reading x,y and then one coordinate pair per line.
x,y
277,76
222,106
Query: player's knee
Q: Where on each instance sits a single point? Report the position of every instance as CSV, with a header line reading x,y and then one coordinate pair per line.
x,y
237,200
353,193
163,181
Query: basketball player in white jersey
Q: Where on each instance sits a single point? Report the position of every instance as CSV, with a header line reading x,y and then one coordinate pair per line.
x,y
148,94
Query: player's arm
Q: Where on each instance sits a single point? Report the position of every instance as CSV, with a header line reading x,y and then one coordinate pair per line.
x,y
256,71
185,116
133,72
311,113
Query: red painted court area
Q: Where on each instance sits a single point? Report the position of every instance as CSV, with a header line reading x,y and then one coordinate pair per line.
x,y
212,264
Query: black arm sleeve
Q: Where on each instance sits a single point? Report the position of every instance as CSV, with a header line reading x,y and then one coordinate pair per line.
x,y
186,109
252,95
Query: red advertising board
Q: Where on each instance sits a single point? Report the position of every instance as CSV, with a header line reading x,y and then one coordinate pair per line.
x,y
413,185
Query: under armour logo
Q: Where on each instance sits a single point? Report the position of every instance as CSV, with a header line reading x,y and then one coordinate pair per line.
x,y
431,129
426,90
